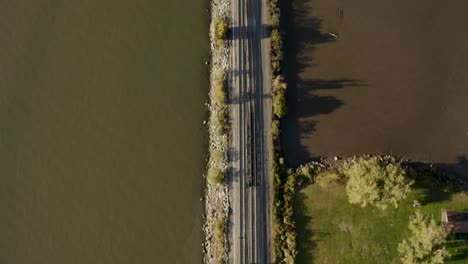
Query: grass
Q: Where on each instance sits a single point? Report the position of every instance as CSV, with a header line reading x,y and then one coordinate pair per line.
x,y
330,230
458,248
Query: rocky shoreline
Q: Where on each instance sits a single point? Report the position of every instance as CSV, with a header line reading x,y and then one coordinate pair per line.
x,y
216,200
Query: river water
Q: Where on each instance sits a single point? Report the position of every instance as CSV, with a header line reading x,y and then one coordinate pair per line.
x,y
102,145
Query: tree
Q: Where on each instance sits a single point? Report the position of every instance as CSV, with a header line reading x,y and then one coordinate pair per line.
x,y
279,105
426,243
376,181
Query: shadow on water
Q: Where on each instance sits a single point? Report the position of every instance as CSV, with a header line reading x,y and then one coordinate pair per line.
x,y
303,36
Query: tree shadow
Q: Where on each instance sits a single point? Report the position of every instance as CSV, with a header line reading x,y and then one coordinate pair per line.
x,y
458,243
305,242
306,238
303,36
236,32
440,180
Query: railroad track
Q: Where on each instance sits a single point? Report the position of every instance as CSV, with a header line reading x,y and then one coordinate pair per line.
x,y
249,236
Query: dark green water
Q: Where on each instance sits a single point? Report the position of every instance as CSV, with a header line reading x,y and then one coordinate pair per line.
x,y
101,136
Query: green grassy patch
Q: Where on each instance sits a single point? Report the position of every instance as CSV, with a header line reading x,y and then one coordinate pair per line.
x,y
330,230
458,248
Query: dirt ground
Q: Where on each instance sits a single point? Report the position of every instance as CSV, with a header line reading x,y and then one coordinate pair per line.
x,y
393,81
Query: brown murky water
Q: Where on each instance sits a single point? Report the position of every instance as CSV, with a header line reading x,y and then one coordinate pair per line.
x,y
101,136
394,81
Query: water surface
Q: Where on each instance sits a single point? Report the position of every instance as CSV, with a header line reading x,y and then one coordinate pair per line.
x,y
393,82
101,137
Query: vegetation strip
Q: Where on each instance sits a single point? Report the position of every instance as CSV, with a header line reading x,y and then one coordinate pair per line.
x,y
283,223
216,192
284,233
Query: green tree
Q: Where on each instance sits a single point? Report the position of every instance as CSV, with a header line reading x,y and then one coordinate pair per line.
x,y
279,106
426,243
376,181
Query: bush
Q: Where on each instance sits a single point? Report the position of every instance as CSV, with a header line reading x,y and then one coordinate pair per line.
x,y
307,172
279,86
288,236
219,122
376,181
276,39
219,233
219,92
218,229
426,243
276,51
221,29
275,129
273,13
329,180
215,175
279,105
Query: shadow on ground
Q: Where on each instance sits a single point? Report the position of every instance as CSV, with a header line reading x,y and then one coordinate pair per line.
x,y
441,178
306,240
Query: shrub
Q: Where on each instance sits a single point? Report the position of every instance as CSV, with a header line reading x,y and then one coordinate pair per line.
x,y
329,180
215,175
279,105
218,234
307,172
218,229
426,243
219,122
376,181
279,86
221,29
274,19
275,129
281,161
288,236
219,91
276,38
273,13
276,51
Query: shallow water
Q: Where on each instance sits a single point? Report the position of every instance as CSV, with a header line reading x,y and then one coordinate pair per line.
x,y
101,135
